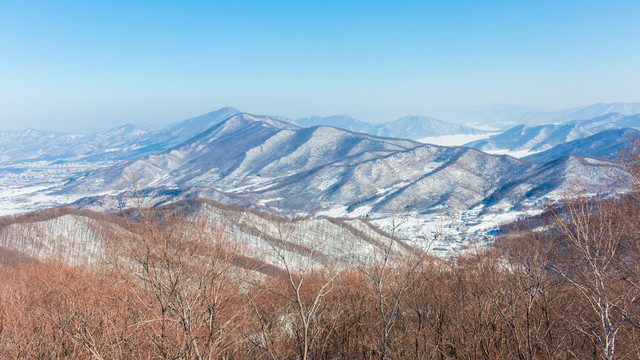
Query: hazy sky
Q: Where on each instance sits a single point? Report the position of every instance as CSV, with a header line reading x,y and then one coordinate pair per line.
x,y
70,64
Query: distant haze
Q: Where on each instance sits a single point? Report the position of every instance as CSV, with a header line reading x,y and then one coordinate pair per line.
x,y
71,65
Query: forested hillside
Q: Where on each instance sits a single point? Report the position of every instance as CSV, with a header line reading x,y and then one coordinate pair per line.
x,y
170,285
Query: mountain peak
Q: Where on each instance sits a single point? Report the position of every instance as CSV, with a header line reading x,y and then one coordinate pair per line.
x,y
223,110
244,118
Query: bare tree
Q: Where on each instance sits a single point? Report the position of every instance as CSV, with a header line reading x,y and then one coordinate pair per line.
x,y
591,229
307,278
391,275
178,269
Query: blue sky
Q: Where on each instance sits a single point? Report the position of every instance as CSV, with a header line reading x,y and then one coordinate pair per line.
x,y
71,64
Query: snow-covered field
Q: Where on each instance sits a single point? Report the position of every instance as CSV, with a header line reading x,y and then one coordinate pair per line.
x,y
30,186
444,233
448,233
16,199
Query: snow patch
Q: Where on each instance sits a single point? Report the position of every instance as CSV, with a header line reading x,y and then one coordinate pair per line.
x,y
336,211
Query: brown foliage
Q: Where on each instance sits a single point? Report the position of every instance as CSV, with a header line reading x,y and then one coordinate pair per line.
x,y
561,286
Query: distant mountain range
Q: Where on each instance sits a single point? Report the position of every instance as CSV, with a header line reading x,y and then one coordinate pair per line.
x,y
532,139
120,143
280,165
504,117
604,145
522,138
330,173
346,166
610,121
408,127
130,142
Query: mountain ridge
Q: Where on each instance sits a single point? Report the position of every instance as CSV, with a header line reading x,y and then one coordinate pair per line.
x,y
292,169
407,127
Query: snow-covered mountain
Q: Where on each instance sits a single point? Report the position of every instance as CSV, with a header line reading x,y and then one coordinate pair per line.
x,y
79,237
34,145
504,117
157,141
185,130
605,144
280,165
123,142
130,142
418,127
523,138
595,110
408,127
610,121
243,151
273,165
526,140
340,121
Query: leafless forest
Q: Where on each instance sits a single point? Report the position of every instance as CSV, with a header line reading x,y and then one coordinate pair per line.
x,y
562,285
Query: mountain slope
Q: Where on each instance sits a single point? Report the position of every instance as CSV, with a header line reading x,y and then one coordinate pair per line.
x,y
340,121
504,117
556,179
531,139
595,110
279,165
79,236
185,130
418,127
34,145
605,144
155,142
408,127
123,142
610,121
242,151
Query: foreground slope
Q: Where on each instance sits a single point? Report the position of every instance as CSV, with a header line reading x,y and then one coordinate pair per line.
x,y
78,237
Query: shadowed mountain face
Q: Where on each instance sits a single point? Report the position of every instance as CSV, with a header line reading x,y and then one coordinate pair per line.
x,y
277,164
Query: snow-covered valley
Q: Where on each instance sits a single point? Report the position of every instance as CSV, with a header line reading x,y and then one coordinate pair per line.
x,y
435,195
